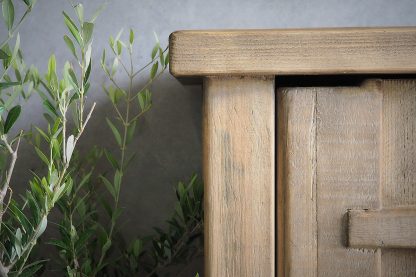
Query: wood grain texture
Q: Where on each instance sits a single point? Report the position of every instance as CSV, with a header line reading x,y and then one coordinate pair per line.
x,y
388,228
302,51
239,168
348,143
297,229
329,141
398,179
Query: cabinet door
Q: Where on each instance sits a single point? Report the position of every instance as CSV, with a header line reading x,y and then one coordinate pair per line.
x,y
347,180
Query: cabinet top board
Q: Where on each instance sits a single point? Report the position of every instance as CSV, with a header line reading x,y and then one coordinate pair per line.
x,y
293,51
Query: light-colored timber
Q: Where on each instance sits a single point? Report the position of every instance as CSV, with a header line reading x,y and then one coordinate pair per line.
x,y
296,51
346,156
388,228
238,139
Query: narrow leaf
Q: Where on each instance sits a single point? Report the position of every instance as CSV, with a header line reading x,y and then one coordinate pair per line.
x,y
72,28
153,71
4,85
3,55
131,37
79,10
11,118
116,133
70,45
42,227
108,186
70,144
8,13
87,29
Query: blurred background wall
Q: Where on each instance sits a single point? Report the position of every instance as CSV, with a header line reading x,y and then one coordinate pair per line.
x,y
169,141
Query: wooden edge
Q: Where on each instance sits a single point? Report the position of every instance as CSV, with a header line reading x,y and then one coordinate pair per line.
x,y
393,228
293,52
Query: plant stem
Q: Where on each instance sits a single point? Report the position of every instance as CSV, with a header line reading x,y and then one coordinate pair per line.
x,y
9,172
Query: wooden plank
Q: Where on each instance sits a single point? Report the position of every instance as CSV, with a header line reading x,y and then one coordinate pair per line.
x,y
297,238
239,169
389,228
348,143
328,162
398,163
297,51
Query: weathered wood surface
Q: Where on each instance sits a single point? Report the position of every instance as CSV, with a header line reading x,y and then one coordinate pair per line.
x,y
296,51
296,206
388,228
239,132
398,162
347,148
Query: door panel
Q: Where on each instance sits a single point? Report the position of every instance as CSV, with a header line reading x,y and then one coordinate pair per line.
x,y
341,149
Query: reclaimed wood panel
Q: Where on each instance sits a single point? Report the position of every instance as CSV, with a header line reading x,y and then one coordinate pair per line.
x,y
348,143
329,141
239,175
398,180
297,186
293,51
387,228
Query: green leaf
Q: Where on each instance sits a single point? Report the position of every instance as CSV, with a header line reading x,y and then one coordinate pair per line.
x,y
12,116
167,59
115,94
79,10
145,98
42,226
137,247
131,37
114,67
117,180
20,216
108,186
59,244
31,269
52,64
50,108
87,73
111,159
42,156
87,30
72,28
116,133
153,71
3,55
130,131
70,145
161,57
154,51
28,2
73,77
51,76
119,47
70,45
8,13
106,246
4,85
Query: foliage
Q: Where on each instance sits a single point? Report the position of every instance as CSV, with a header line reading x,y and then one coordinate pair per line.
x,y
181,242
24,221
89,241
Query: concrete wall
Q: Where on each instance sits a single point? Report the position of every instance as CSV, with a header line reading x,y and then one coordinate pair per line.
x,y
169,140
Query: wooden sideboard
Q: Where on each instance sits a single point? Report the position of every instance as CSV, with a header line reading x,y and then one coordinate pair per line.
x,y
315,179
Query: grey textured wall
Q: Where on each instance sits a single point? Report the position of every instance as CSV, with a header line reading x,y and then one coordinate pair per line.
x,y
169,143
